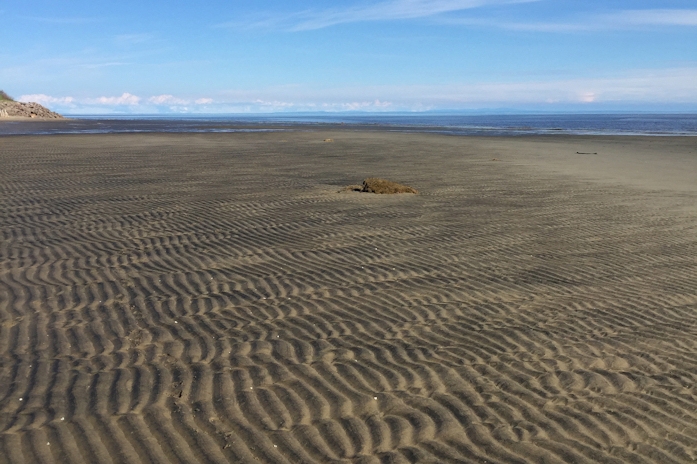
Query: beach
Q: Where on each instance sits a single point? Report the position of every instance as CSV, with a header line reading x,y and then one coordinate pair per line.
x,y
215,298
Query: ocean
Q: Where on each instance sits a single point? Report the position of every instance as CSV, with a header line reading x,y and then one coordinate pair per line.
x,y
480,125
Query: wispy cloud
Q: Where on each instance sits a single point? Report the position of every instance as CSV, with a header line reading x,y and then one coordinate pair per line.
x,y
626,19
663,17
437,10
381,11
522,26
58,20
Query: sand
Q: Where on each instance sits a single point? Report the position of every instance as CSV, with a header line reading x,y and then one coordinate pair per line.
x,y
211,298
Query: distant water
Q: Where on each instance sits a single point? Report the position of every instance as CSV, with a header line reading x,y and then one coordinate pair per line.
x,y
507,125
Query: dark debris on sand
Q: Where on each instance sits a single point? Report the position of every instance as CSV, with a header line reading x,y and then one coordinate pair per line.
x,y
381,186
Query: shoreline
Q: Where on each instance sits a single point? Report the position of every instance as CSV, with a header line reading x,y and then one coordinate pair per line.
x,y
490,126
29,119
327,127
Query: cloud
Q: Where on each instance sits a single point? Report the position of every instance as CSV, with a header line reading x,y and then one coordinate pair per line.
x,y
167,100
627,19
520,26
588,97
125,103
382,11
362,105
392,10
125,99
261,105
641,86
662,17
45,99
638,88
56,20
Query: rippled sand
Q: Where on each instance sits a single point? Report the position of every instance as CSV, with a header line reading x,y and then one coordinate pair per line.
x,y
212,298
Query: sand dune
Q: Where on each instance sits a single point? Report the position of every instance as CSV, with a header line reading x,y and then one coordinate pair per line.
x,y
212,299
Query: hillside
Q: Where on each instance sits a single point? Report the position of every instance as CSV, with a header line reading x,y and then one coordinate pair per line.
x,y
26,110
5,97
11,108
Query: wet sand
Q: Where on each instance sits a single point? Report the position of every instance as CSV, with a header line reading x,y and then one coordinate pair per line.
x,y
212,298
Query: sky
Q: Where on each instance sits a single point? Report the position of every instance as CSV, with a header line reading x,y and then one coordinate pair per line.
x,y
229,56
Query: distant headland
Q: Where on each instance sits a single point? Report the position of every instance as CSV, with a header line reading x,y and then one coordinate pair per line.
x,y
10,109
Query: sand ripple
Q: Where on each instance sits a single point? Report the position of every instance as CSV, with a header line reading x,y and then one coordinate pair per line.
x,y
212,299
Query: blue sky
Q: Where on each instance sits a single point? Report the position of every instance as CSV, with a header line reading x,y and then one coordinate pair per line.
x,y
78,56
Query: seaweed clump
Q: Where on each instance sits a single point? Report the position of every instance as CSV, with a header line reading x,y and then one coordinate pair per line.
x,y
380,186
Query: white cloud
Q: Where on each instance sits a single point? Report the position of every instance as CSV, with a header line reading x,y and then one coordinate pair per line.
x,y
167,100
277,104
307,106
125,99
125,102
304,105
43,99
588,97
362,105
646,87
